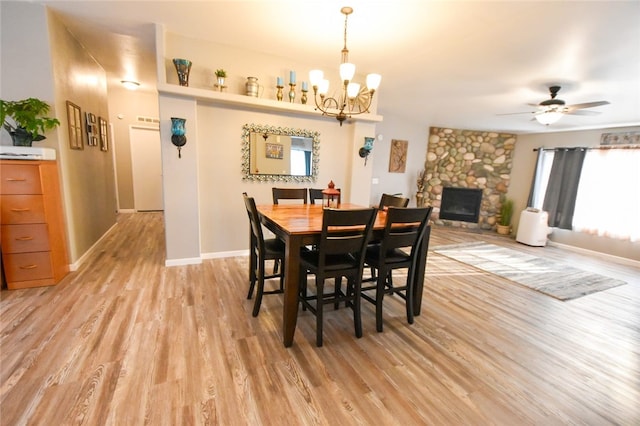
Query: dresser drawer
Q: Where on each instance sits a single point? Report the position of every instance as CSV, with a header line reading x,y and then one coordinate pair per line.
x,y
25,238
20,179
18,209
27,266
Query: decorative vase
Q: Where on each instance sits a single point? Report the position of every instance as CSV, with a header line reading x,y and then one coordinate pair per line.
x,y
503,229
21,137
252,86
183,67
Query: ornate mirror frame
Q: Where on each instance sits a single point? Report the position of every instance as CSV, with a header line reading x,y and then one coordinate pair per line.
x,y
247,129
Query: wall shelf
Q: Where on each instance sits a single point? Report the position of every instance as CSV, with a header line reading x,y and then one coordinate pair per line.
x,y
233,99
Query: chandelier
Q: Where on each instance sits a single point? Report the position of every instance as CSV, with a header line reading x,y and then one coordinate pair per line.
x,y
352,99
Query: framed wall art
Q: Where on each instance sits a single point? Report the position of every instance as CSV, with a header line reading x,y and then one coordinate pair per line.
x,y
92,131
274,150
102,130
398,156
74,119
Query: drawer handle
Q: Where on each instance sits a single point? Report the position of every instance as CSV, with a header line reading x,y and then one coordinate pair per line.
x,y
24,238
16,179
29,267
26,209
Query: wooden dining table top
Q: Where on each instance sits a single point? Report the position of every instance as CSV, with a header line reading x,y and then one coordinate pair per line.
x,y
307,218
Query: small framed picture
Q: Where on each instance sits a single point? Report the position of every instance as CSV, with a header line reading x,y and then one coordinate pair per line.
x,y
274,150
74,118
92,129
102,129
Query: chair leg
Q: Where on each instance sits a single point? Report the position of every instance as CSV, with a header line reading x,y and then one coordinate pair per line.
x,y
252,279
252,284
302,290
357,316
260,278
319,309
337,290
409,297
380,290
281,276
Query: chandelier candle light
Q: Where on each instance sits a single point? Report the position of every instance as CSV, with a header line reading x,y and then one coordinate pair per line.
x,y
348,103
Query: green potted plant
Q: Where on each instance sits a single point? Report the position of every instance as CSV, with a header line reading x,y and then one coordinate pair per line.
x,y
220,76
504,220
25,120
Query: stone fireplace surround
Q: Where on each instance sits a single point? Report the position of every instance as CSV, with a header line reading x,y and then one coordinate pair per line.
x,y
468,159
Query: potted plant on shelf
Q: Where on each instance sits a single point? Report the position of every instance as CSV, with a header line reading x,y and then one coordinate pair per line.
x,y
25,120
220,76
506,213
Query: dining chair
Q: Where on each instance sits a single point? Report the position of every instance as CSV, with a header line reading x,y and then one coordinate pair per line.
x,y
340,253
289,194
405,230
262,250
316,194
388,200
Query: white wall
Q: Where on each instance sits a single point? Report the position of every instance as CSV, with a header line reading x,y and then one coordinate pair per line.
x,y
397,127
204,213
41,59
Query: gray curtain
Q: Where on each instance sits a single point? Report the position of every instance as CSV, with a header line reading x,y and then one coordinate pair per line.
x,y
560,198
536,173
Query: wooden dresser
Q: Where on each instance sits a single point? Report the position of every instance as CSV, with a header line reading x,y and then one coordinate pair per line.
x,y
34,247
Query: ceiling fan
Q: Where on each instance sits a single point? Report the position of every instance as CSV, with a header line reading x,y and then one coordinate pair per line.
x,y
551,110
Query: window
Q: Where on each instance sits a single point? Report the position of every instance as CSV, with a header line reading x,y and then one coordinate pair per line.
x,y
608,199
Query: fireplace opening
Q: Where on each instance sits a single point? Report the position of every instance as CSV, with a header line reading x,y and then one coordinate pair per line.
x,y
461,204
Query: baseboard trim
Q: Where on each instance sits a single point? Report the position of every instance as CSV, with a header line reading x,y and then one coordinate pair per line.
x,y
223,254
610,257
127,211
182,262
76,265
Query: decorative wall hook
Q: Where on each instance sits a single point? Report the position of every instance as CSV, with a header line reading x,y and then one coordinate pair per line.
x,y
177,133
366,149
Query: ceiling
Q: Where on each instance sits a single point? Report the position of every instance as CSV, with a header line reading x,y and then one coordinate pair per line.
x,y
454,64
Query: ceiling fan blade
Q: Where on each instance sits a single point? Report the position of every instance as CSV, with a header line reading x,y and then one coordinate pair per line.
x,y
582,112
517,113
586,105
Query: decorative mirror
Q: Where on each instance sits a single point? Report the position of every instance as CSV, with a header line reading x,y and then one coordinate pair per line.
x,y
279,154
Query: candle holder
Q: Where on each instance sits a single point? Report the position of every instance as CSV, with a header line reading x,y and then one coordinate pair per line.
x,y
303,98
292,92
279,93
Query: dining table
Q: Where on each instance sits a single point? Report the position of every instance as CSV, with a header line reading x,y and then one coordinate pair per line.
x,y
300,225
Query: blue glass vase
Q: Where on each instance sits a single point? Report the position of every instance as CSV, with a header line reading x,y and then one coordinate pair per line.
x,y
183,67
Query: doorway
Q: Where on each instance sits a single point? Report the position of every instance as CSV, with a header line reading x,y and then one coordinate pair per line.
x,y
146,168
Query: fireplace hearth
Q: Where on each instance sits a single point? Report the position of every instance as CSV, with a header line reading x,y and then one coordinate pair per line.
x,y
461,204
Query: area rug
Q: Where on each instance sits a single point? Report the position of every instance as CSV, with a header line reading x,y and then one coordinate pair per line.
x,y
555,279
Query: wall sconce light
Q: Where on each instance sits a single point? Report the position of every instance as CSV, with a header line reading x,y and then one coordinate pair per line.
x,y
177,133
366,149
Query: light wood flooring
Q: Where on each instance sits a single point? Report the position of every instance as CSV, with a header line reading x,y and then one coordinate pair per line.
x,y
127,341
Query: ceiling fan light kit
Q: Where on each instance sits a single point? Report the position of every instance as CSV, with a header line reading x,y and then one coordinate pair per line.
x,y
353,100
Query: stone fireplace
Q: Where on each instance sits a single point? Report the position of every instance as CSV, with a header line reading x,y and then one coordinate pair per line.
x,y
472,160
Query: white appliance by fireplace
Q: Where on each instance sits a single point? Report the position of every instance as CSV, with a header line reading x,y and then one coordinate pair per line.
x,y
533,227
